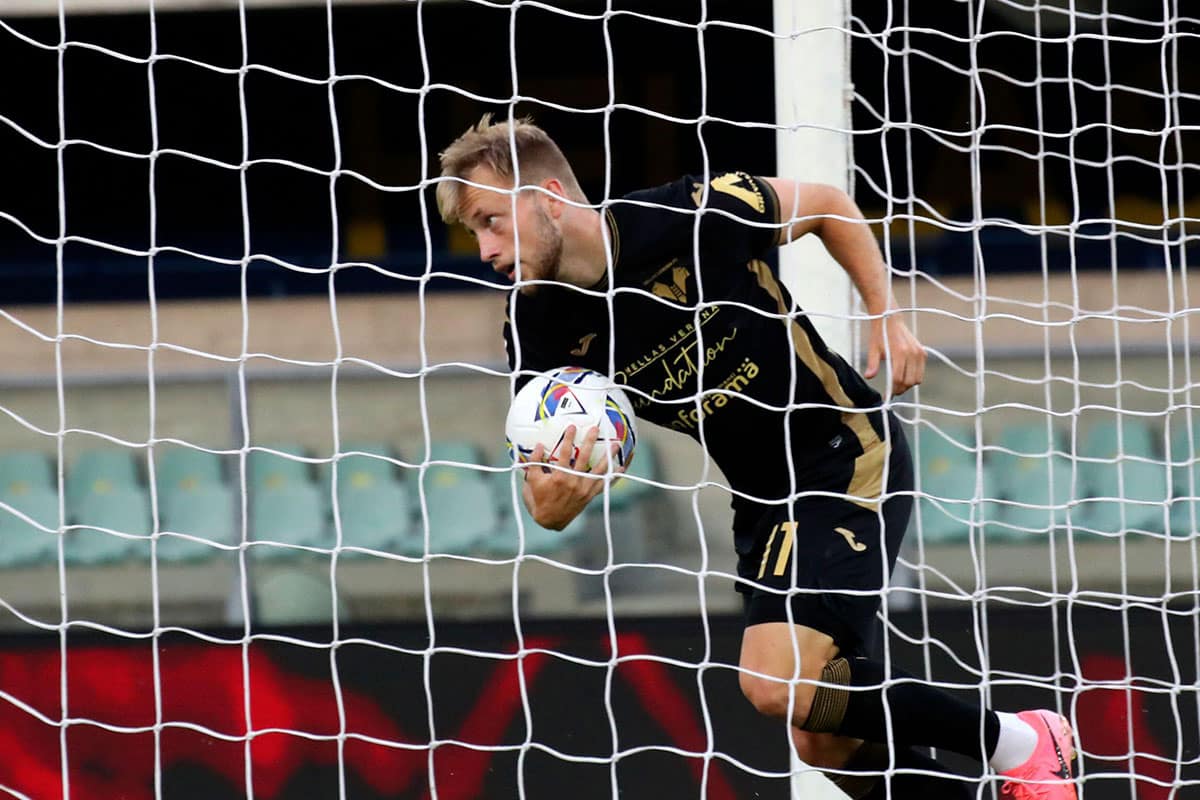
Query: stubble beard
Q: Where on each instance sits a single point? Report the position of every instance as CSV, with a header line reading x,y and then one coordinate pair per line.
x,y
546,265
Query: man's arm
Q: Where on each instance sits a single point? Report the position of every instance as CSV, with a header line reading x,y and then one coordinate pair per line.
x,y
830,213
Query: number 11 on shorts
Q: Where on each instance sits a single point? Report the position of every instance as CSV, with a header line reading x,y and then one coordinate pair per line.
x,y
785,547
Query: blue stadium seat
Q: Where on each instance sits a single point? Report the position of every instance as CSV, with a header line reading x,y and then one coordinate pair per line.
x,y
275,470
99,471
25,469
177,467
1132,460
457,450
947,473
122,509
461,508
1029,483
505,540
292,514
22,543
1185,476
204,511
361,464
376,514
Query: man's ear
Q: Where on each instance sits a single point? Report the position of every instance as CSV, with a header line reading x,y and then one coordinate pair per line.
x,y
555,196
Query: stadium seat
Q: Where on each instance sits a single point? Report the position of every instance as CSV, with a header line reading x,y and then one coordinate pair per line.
x,y
946,476
271,470
376,515
457,450
293,514
98,471
21,469
205,511
1026,474
296,596
505,539
125,509
462,512
1185,477
20,542
365,464
1134,460
177,467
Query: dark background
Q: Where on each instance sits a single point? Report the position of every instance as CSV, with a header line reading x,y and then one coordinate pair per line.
x,y
1130,673
410,77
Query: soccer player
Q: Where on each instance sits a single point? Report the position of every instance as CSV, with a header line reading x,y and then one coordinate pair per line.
x,y
666,291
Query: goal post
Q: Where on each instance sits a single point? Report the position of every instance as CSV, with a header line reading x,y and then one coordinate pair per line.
x,y
813,144
812,115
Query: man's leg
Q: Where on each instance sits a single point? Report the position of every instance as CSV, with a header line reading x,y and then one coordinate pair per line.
x,y
767,649
907,712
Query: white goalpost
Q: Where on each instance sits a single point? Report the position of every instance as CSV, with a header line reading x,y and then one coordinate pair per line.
x,y
258,534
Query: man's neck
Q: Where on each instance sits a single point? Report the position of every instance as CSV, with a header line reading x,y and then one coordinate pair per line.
x,y
583,261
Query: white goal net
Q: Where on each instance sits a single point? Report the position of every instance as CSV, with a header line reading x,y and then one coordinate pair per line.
x,y
259,536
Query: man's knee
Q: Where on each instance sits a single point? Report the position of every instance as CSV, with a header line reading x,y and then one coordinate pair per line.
x,y
811,706
778,698
769,669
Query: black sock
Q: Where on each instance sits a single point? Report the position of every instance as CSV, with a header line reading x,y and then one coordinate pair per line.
x,y
920,714
943,786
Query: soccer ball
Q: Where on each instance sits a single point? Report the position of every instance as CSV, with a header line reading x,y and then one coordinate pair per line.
x,y
549,403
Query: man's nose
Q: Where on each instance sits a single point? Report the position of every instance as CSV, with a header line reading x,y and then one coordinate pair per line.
x,y
489,248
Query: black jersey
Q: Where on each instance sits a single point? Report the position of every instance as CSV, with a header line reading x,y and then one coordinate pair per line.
x,y
701,333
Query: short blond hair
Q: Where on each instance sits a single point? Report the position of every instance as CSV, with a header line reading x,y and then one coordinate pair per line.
x,y
490,144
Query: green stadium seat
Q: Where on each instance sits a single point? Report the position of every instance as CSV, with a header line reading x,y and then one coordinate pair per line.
x,y
293,514
946,477
177,467
457,450
25,469
1185,476
205,511
119,508
1135,461
275,470
99,471
22,543
376,515
295,596
462,512
504,541
1029,439
362,464
1027,474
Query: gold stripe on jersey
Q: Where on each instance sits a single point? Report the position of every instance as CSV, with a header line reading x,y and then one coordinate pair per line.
x,y
616,236
866,484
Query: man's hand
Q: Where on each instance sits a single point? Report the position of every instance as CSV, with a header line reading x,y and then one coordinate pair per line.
x,y
906,353
556,496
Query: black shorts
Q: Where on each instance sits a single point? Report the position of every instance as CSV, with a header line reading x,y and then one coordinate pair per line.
x,y
824,553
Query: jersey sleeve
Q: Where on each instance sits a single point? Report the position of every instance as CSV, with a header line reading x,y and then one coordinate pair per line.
x,y
738,221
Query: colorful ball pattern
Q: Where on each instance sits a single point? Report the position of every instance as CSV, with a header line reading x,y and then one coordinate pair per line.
x,y
551,402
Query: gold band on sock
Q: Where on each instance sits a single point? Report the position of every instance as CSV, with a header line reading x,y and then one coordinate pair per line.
x,y
829,702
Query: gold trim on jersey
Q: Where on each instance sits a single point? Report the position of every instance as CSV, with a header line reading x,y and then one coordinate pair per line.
x,y
866,484
616,236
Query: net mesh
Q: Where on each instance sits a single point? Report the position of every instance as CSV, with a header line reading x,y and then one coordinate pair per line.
x,y
1026,169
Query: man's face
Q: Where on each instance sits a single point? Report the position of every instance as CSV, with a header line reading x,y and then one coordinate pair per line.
x,y
489,216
